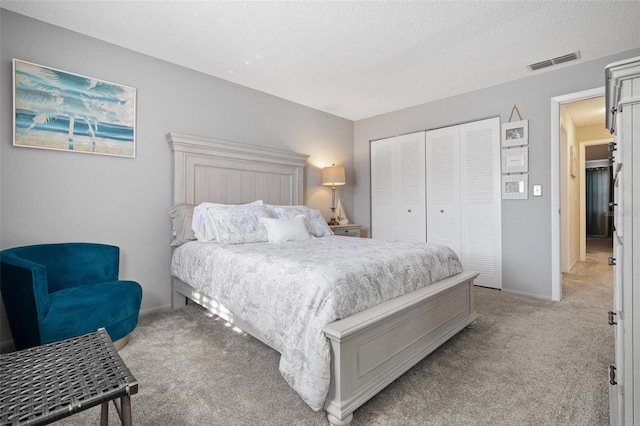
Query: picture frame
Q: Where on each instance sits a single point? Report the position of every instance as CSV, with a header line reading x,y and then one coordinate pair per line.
x,y
515,187
515,133
515,160
60,110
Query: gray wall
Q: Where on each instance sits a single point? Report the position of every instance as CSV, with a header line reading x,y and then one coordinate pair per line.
x,y
51,196
526,224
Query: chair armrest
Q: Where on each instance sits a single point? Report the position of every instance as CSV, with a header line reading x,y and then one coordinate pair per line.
x,y
25,295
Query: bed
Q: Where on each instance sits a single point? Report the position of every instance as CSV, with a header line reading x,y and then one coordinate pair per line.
x,y
367,343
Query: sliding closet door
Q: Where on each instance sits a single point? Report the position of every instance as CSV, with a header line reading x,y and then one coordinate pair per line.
x,y
398,188
443,187
480,201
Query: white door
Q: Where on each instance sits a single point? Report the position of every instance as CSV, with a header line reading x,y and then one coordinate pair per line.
x,y
397,188
481,201
383,208
443,187
616,380
464,198
411,192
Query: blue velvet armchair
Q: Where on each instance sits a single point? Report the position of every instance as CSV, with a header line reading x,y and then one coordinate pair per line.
x,y
53,292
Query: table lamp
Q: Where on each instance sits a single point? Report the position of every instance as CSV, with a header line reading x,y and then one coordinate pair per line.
x,y
333,176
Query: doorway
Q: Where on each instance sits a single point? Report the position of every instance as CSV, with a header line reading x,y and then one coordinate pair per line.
x,y
598,195
577,126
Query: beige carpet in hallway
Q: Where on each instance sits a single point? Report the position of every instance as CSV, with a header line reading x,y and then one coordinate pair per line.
x,y
591,282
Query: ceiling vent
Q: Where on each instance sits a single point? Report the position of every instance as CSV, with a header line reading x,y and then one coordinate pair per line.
x,y
555,61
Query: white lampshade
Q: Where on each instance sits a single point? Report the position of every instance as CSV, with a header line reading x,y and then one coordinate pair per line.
x,y
333,175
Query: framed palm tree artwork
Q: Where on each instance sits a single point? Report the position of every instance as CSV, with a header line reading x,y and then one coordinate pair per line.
x,y
59,110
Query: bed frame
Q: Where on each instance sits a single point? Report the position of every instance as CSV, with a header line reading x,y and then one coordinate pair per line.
x,y
370,349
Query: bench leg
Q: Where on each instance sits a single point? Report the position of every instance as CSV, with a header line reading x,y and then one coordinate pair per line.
x,y
125,403
104,414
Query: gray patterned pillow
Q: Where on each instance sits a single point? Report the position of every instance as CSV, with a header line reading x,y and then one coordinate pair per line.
x,y
181,215
316,224
201,225
239,224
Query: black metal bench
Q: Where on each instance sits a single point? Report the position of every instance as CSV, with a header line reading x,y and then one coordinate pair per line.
x,y
47,383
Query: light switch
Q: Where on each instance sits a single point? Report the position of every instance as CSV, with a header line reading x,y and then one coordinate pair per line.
x,y
537,190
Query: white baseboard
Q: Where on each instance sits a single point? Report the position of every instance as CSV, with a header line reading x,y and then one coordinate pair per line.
x,y
155,309
522,293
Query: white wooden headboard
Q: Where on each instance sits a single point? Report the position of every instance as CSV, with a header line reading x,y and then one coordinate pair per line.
x,y
219,171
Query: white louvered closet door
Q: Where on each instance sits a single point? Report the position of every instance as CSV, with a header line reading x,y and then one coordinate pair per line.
x,y
480,201
398,188
411,195
463,195
443,187
383,208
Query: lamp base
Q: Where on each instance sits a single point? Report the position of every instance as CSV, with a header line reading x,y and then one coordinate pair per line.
x,y
333,220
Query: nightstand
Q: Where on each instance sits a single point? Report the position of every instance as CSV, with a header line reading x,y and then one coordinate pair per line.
x,y
349,230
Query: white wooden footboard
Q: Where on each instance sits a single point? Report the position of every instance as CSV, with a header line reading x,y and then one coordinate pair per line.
x,y
372,348
369,350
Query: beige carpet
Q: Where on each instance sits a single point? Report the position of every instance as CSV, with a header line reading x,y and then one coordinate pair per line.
x,y
528,362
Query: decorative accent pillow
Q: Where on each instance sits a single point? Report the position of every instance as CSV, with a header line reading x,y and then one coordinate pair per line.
x,y
316,224
181,217
279,230
238,224
201,224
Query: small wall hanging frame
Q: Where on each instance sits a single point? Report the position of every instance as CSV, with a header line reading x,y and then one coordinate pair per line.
x,y
573,162
515,187
515,133
515,160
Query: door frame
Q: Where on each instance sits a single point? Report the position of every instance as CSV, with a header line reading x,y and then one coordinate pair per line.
x,y
583,184
556,253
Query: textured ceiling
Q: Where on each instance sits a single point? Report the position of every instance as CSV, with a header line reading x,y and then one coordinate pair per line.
x,y
354,59
587,112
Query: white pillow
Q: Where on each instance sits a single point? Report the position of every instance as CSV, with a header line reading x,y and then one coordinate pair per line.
x,y
279,230
238,224
316,224
201,224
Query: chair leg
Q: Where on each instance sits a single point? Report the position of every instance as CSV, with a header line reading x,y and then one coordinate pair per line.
x,y
104,414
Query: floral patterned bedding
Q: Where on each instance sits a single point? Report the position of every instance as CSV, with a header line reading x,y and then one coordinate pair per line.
x,y
289,291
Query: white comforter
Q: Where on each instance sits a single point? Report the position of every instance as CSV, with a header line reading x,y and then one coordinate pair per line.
x,y
289,291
